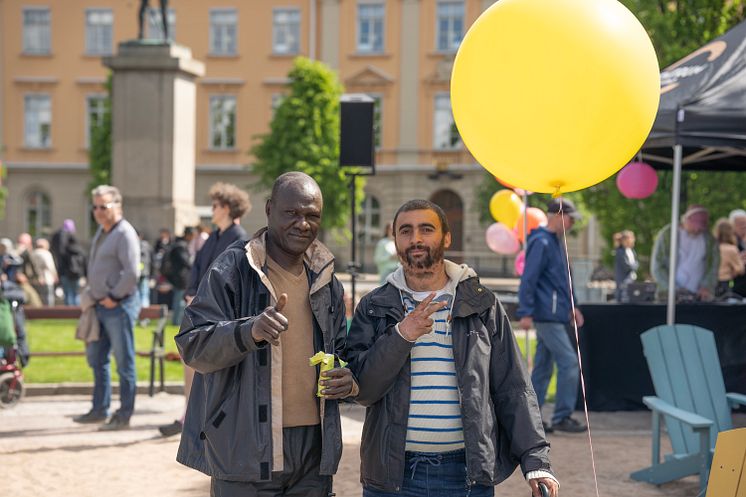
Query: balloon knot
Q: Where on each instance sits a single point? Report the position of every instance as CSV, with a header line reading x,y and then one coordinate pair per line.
x,y
557,192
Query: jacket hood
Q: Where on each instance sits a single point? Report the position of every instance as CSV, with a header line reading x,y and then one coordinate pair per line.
x,y
318,259
456,274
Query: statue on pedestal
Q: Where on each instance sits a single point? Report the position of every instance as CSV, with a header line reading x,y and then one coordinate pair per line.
x,y
164,18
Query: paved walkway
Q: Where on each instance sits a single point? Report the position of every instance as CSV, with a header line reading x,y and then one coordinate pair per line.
x,y
44,453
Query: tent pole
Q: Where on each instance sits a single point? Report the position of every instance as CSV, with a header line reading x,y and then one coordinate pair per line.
x,y
675,198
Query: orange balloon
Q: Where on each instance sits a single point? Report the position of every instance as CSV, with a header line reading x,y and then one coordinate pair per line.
x,y
535,218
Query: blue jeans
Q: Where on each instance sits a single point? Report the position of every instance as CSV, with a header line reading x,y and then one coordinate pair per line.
x,y
435,474
177,306
144,288
117,337
554,347
71,289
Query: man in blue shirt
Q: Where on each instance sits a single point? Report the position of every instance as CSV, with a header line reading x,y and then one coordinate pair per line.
x,y
544,303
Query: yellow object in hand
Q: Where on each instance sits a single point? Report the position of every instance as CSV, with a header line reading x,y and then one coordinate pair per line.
x,y
327,364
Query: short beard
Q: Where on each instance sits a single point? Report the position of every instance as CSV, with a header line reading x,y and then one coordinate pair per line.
x,y
431,259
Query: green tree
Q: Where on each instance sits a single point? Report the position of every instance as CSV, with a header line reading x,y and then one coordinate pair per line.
x,y
676,28
304,136
99,152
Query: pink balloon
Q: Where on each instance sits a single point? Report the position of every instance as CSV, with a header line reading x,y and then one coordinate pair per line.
x,y
501,240
520,262
637,180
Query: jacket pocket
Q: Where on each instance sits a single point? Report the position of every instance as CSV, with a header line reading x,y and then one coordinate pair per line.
x,y
231,443
554,302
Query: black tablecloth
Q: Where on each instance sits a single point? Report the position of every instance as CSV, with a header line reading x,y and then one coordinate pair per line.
x,y
615,369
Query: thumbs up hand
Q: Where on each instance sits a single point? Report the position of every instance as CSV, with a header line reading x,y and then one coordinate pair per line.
x,y
271,322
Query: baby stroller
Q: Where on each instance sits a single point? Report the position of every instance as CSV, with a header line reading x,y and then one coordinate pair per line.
x,y
13,349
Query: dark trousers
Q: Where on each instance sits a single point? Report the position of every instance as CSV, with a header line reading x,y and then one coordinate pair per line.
x,y
300,476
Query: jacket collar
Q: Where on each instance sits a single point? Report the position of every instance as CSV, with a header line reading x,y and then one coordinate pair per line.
x,y
471,298
318,259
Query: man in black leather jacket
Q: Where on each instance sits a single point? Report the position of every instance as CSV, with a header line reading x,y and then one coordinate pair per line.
x,y
441,376
254,422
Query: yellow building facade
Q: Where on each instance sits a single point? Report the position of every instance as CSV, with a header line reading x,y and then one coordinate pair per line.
x,y
398,51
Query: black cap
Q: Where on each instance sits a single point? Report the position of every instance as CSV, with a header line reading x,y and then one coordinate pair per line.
x,y
565,205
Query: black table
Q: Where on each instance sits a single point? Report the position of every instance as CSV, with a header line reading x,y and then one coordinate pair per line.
x,y
615,369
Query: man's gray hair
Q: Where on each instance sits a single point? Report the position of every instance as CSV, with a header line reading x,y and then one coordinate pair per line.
x,y
102,190
734,214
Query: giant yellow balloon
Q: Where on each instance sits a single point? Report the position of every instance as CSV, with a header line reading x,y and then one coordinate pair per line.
x,y
555,95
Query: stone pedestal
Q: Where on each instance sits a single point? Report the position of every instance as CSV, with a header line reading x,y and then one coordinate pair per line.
x,y
153,134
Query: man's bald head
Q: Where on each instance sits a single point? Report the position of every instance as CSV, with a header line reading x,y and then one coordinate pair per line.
x,y
294,181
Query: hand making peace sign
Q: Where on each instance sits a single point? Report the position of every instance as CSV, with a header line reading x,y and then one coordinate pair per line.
x,y
418,322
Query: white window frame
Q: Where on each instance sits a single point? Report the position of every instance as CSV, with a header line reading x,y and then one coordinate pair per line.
x,y
44,38
370,209
220,36
439,128
40,203
153,24
285,29
223,146
99,38
101,97
450,44
38,142
375,22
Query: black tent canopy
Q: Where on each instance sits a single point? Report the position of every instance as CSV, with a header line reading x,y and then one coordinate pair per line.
x,y
701,120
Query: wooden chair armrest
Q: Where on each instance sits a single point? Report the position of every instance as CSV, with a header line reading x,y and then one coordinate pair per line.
x,y
736,399
688,418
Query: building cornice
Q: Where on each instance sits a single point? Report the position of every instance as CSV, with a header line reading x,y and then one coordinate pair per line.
x,y
37,80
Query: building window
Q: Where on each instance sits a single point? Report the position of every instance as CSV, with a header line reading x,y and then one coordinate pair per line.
x,y
370,27
369,221
38,217
95,111
98,31
277,99
445,133
223,31
36,26
286,31
154,24
450,25
37,112
222,122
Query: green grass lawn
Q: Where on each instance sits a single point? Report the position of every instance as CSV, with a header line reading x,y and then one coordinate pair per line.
x,y
58,335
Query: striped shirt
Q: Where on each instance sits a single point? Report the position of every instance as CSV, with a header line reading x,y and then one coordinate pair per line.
x,y
434,423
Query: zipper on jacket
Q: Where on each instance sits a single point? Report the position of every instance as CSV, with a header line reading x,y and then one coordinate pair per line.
x,y
554,302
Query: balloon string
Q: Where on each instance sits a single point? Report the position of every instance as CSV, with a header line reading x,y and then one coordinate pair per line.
x,y
577,345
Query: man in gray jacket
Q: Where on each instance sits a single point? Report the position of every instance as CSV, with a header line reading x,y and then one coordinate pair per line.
x,y
441,376
254,422
113,273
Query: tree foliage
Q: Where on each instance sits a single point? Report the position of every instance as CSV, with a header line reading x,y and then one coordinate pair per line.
x,y
676,28
304,136
99,151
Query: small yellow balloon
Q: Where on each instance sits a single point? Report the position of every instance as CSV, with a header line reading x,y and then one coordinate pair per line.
x,y
555,95
505,207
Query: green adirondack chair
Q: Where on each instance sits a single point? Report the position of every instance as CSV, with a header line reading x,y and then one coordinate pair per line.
x,y
690,395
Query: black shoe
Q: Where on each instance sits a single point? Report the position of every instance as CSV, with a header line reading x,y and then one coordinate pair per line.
x,y
115,423
171,429
569,425
547,428
90,417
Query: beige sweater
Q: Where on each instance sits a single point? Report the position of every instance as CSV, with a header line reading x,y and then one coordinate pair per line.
x,y
731,264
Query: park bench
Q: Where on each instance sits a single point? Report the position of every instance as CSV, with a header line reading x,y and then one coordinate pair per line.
x,y
155,313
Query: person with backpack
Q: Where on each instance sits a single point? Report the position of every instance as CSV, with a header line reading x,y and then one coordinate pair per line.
x,y
70,259
176,267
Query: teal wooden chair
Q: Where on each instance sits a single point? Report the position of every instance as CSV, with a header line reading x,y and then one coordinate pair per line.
x,y
691,397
